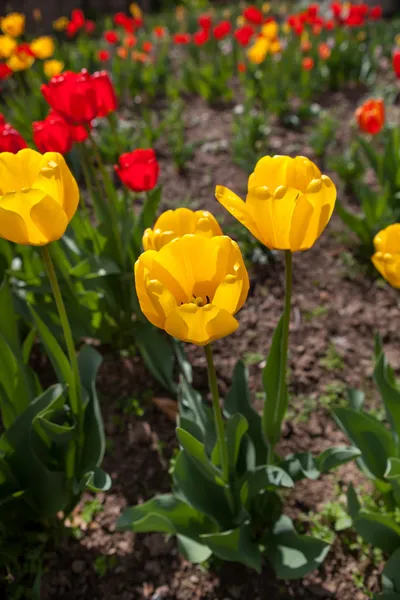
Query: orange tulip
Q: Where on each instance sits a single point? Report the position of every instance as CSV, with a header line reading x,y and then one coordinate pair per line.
x,y
371,116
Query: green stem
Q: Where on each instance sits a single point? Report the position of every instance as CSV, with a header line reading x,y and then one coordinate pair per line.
x,y
89,186
75,391
219,422
113,126
285,339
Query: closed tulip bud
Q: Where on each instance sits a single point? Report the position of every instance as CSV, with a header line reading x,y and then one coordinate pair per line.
x,y
396,63
253,15
11,140
111,37
371,116
387,256
288,205
43,47
192,287
106,97
53,67
138,170
22,59
174,224
73,96
13,24
61,24
52,135
38,197
222,30
5,71
307,63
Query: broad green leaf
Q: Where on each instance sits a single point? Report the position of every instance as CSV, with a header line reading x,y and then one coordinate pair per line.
x,y
97,480
391,573
157,352
195,451
379,530
356,223
383,377
300,465
235,429
8,321
336,456
262,478
235,545
274,412
353,503
355,398
192,550
238,400
293,555
368,435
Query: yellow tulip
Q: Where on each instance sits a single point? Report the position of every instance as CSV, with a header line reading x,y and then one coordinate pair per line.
x,y
53,67
43,47
275,47
240,21
61,23
38,197
13,24
135,11
259,50
192,287
387,256
174,224
266,7
286,28
7,46
288,205
397,39
270,30
20,61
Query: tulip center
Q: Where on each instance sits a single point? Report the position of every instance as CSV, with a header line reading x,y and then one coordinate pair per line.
x,y
200,301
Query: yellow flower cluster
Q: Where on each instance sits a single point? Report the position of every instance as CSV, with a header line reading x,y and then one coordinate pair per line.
x,y
267,43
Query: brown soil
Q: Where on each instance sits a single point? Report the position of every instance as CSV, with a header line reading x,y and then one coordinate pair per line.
x,y
336,310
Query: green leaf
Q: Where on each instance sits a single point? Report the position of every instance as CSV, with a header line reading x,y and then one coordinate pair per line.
x,y
377,529
274,412
355,223
388,596
193,551
368,435
8,321
391,573
97,480
353,503
235,545
94,267
300,465
238,400
157,352
53,350
336,456
384,379
355,398
292,555
235,429
262,478
195,451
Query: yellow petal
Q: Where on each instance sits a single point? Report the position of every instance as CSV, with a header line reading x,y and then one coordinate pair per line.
x,y
388,240
269,171
50,219
200,325
57,181
232,292
300,222
237,208
321,193
149,309
12,227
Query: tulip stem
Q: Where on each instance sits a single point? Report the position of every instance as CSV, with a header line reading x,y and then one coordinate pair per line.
x,y
75,390
89,185
219,422
285,338
113,126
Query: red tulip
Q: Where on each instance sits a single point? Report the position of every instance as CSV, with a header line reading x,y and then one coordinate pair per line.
x,y
205,22
375,13
371,116
253,15
244,35
307,63
329,25
147,47
201,37
52,135
396,62
138,170
78,18
242,68
312,11
103,55
72,29
90,26
336,9
5,71
73,96
2,121
159,31
106,97
80,132
119,19
111,37
11,140
222,30
181,38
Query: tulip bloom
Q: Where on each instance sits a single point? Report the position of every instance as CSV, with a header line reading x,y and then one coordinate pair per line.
x,y
159,31
244,34
11,140
205,22
182,39
103,55
7,46
42,47
375,13
387,256
201,37
13,24
90,26
38,197
396,63
5,71
192,287
221,30
73,95
288,205
371,116
53,67
52,135
324,51
138,170
259,50
106,97
174,224
22,59
253,15
111,37
147,47
61,24
307,63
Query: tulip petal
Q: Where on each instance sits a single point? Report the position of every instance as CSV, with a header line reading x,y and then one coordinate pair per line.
x,y
237,208
269,171
22,204
200,325
56,180
50,219
12,227
148,307
18,170
299,225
